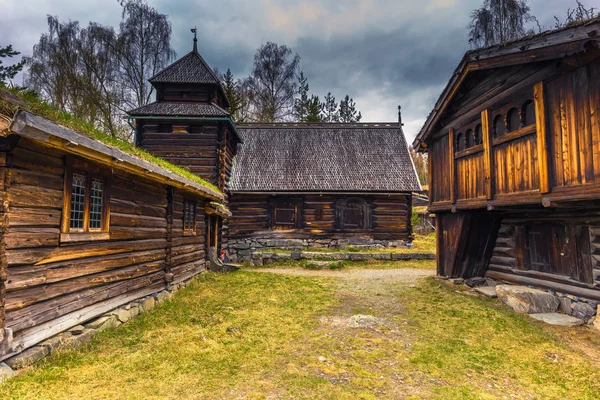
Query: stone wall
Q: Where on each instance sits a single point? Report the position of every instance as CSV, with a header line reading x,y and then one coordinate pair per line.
x,y
240,250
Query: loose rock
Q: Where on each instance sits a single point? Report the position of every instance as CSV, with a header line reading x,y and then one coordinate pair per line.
x,y
583,311
361,321
5,371
527,300
487,291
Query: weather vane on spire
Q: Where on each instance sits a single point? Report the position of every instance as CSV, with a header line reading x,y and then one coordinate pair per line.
x,y
194,30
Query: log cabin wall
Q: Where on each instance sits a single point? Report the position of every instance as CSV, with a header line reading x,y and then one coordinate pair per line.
x,y
318,221
206,149
56,280
553,250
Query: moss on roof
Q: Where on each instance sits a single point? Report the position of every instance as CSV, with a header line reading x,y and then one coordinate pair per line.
x,y
12,100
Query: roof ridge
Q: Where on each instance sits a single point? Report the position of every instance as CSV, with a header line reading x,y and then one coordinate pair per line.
x,y
321,125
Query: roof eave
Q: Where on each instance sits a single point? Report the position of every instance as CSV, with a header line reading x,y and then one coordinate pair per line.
x,y
523,51
34,127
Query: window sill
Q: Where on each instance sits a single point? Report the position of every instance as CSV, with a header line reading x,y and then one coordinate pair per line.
x,y
74,237
189,233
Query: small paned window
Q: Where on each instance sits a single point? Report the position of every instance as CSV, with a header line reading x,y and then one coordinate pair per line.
x,y
189,217
285,215
96,203
86,197
469,138
528,113
513,119
477,140
460,142
499,128
78,201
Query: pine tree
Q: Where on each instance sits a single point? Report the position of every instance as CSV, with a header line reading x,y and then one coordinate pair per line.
x,y
313,110
330,109
348,112
301,103
230,87
8,73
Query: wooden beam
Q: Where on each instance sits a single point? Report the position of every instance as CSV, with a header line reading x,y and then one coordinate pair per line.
x,y
452,165
541,136
487,154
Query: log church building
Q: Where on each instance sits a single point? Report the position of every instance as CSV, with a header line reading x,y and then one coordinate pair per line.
x,y
87,227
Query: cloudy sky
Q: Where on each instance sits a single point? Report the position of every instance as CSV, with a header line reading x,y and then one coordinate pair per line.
x,y
380,52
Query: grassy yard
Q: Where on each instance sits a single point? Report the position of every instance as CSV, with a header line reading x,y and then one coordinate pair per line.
x,y
262,335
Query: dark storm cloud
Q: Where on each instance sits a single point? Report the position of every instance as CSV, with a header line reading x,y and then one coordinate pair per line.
x,y
380,52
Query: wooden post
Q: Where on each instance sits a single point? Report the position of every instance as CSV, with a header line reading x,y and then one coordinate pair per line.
x,y
542,150
487,155
452,165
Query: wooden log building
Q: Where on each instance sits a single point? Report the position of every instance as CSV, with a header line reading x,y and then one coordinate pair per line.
x,y
321,185
514,153
86,227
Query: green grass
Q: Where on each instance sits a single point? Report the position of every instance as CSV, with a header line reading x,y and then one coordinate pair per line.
x,y
37,106
260,335
476,342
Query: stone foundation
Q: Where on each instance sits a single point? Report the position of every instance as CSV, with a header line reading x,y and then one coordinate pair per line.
x,y
536,301
81,334
241,250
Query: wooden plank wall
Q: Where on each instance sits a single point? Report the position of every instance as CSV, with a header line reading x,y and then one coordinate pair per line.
x,y
515,166
391,215
470,177
439,158
49,280
573,104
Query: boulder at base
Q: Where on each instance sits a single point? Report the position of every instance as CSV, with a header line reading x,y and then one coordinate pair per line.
x,y
527,300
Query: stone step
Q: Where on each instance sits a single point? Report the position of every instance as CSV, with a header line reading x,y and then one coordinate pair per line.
x,y
557,319
487,291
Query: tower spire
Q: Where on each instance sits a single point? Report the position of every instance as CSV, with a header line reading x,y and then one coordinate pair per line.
x,y
194,30
400,116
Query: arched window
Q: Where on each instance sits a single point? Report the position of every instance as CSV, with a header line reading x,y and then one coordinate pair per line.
x,y
528,113
477,136
469,138
353,214
285,214
460,142
499,128
513,120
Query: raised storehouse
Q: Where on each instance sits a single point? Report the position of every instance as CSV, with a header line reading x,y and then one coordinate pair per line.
x,y
189,126
320,185
514,152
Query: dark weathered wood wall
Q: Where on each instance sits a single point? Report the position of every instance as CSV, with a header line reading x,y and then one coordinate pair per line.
x,y
391,215
51,283
207,151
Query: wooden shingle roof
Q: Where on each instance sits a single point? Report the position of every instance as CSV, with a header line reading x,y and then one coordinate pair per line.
x,y
190,68
179,109
362,157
